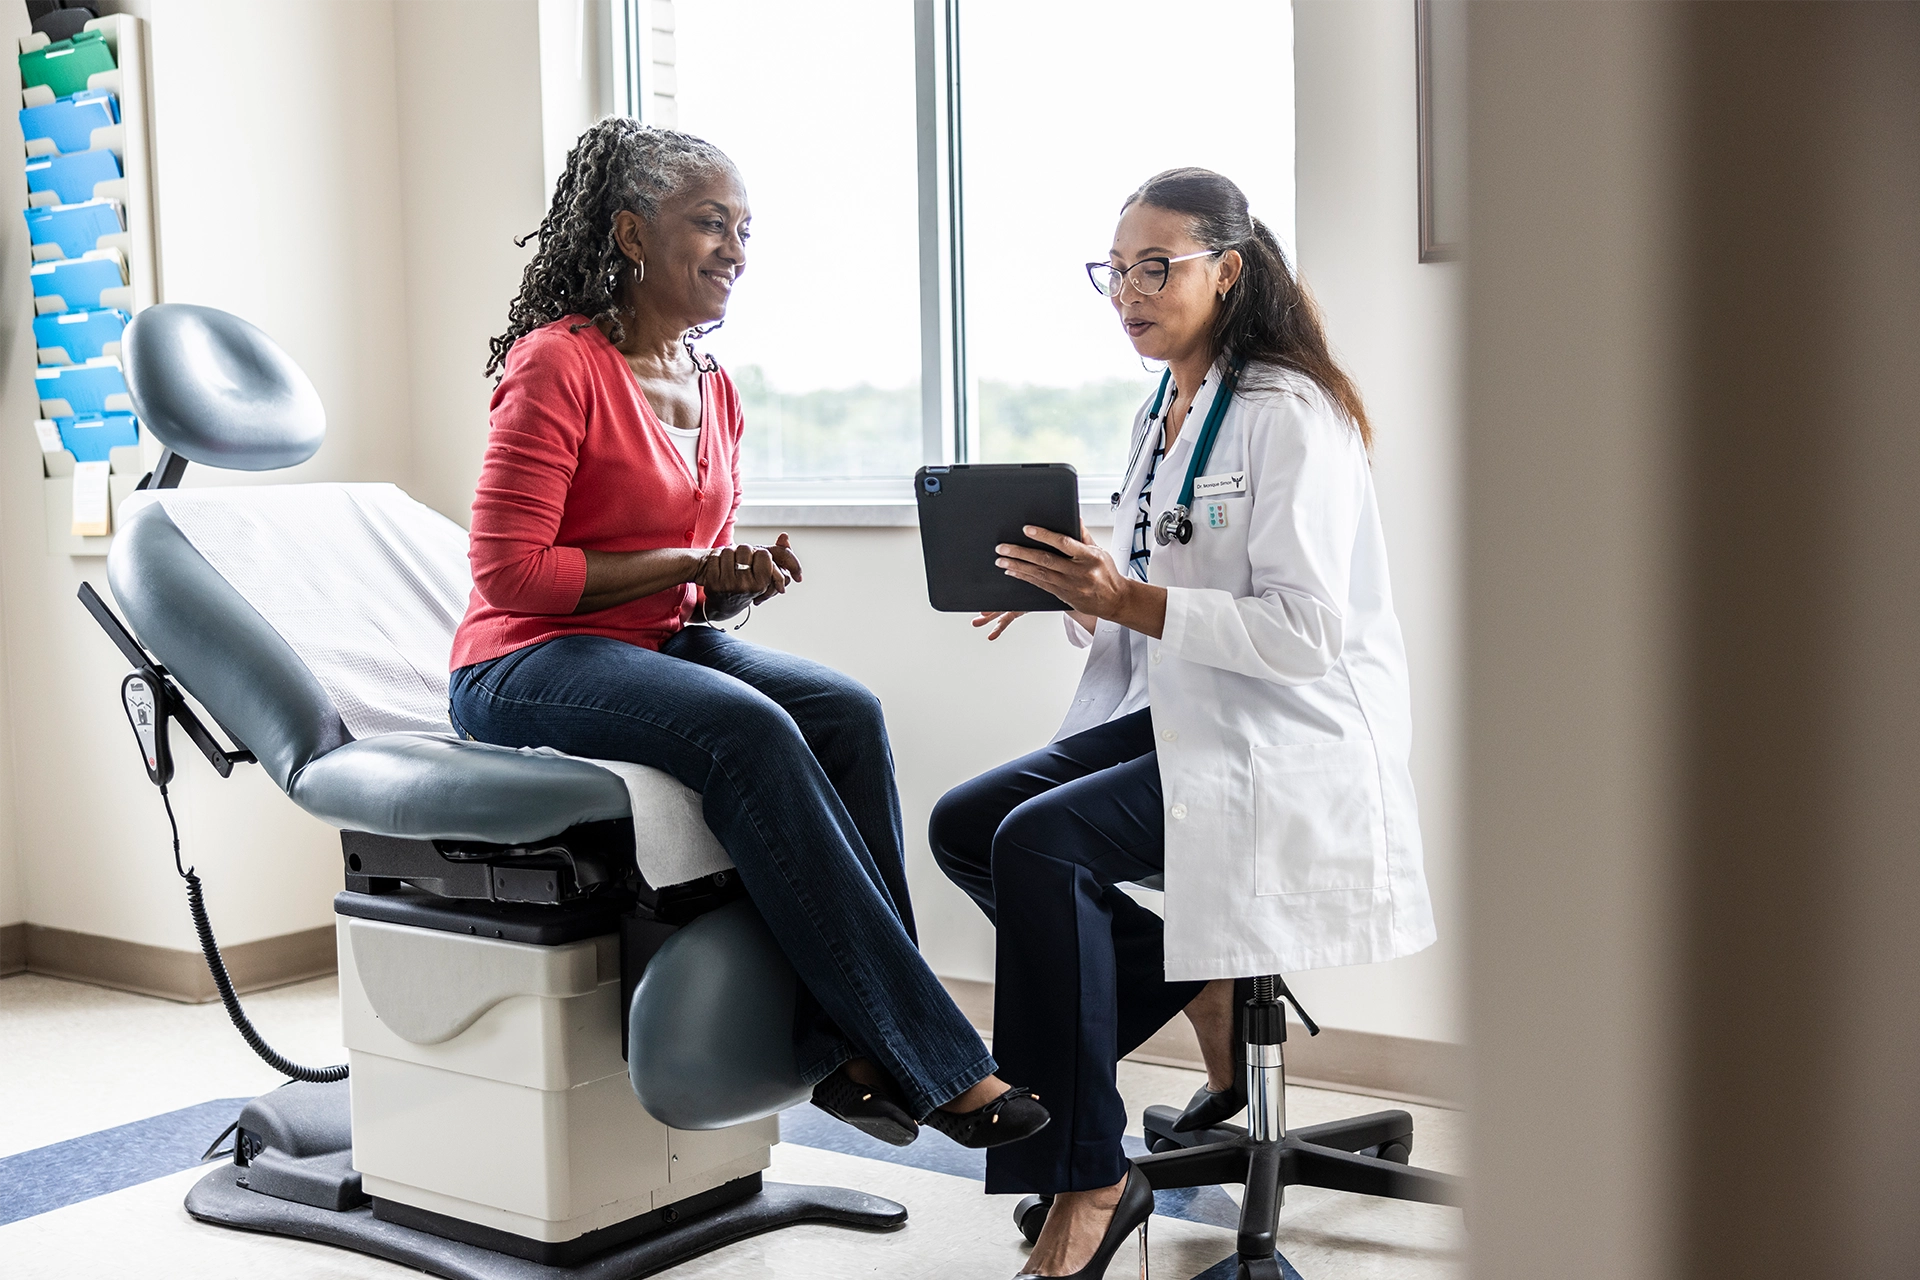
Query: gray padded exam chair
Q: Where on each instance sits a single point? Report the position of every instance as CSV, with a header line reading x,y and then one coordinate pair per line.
x,y
556,1068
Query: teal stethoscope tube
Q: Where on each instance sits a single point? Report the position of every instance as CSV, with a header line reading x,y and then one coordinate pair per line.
x,y
1176,525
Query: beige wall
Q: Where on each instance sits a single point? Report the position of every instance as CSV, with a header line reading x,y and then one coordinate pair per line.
x,y
1693,566
1395,323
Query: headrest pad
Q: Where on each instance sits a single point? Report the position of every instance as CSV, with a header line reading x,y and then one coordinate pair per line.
x,y
218,391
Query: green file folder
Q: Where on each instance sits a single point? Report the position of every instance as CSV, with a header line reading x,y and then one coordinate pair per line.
x,y
64,65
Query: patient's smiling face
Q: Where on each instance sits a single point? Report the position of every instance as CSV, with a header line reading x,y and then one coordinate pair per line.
x,y
694,250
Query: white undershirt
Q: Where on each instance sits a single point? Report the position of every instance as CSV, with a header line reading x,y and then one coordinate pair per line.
x,y
688,442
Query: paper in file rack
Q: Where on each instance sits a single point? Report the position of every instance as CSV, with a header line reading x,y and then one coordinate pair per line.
x,y
69,124
75,230
68,390
74,179
92,499
95,282
75,337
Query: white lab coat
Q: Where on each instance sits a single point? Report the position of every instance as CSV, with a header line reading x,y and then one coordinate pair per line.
x,y
1279,698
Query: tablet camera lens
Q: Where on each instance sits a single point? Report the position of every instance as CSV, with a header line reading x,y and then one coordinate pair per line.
x,y
930,483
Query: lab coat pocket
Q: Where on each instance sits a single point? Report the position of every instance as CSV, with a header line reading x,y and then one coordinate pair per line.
x,y
1319,821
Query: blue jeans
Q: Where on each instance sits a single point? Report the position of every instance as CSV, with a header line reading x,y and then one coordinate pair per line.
x,y
796,781
1041,844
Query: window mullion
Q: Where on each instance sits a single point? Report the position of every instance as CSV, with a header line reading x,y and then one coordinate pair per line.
x,y
943,383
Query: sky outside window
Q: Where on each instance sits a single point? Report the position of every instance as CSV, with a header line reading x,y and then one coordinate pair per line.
x,y
1066,108
815,103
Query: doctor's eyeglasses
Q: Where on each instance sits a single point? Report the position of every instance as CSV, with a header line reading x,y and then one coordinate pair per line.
x,y
1149,274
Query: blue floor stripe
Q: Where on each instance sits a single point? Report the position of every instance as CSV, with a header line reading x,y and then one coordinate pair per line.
x,y
64,1173
52,1177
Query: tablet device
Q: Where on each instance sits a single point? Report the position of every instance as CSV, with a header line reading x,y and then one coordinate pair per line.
x,y
968,510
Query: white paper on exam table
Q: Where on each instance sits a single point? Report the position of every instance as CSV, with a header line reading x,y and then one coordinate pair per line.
x,y
384,661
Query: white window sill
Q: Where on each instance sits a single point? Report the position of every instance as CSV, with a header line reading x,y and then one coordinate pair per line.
x,y
868,504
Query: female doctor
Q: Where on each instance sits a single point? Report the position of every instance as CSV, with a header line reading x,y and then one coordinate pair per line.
x,y
1242,726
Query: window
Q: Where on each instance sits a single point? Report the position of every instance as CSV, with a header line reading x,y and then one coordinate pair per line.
x,y
1066,107
815,103
927,179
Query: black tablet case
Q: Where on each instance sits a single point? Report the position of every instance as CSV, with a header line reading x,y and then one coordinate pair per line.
x,y
974,508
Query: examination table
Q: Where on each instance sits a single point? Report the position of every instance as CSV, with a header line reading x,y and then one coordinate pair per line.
x,y
568,1031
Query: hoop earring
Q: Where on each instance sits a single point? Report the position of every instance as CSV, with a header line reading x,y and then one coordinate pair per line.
x,y
639,272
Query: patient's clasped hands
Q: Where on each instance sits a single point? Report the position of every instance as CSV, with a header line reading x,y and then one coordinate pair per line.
x,y
746,569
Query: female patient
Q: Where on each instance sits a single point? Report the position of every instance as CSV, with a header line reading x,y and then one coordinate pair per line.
x,y
602,527
1242,726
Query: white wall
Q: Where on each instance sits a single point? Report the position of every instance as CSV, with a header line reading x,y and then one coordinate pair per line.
x,y
1395,324
18,406
471,182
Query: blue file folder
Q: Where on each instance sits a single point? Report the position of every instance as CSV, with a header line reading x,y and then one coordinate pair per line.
x,y
92,437
72,178
76,228
69,123
75,337
67,390
76,284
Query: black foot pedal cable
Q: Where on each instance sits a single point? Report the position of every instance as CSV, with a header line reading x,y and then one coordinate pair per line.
x,y
197,904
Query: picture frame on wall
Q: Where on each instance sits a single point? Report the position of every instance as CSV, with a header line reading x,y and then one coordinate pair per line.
x,y
1440,58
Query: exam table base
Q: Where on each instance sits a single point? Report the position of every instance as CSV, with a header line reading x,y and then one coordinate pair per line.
x,y
217,1198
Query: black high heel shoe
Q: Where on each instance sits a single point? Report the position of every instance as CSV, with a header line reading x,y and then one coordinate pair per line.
x,y
1014,1115
876,1110
1133,1211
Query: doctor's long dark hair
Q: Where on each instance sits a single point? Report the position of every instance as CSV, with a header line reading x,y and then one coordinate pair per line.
x,y
1269,318
617,164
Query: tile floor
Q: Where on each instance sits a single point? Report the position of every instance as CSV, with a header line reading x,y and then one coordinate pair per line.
x,y
76,1059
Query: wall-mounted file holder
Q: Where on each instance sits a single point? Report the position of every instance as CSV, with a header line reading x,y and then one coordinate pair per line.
x,y
86,139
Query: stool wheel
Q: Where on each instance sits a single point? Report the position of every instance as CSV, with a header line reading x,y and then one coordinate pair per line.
x,y
1400,1151
1159,1145
1030,1215
1258,1269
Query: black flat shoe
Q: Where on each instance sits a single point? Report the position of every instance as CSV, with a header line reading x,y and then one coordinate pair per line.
x,y
1135,1207
876,1110
1014,1115
1207,1108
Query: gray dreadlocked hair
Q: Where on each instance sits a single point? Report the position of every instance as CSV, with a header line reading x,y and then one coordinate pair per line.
x,y
617,164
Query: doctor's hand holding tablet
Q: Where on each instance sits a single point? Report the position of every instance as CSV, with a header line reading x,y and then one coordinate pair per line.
x,y
1241,729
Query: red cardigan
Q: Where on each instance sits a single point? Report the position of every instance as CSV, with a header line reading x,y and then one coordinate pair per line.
x,y
577,461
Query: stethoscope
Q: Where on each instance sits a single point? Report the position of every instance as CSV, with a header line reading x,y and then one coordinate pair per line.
x,y
1175,523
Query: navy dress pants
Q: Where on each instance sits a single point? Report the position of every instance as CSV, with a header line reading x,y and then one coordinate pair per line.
x,y
1040,844
796,781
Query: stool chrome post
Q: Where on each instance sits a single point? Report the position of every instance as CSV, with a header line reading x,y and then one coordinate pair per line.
x,y
1266,1036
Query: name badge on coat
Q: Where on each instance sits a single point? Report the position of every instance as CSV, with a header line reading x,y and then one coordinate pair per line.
x,y
1226,484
